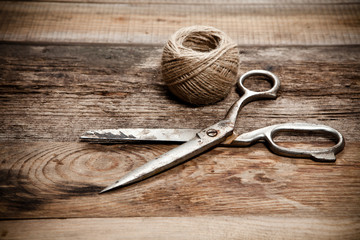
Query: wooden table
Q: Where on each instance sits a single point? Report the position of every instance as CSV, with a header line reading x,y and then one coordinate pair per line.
x,y
67,67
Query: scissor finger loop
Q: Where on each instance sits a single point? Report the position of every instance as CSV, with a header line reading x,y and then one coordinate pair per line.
x,y
271,93
249,95
268,134
323,155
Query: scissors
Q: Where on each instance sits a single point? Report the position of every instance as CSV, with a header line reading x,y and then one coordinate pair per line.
x,y
221,133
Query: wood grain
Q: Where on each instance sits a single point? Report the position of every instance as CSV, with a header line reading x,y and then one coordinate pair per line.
x,y
62,180
209,228
202,2
247,24
55,93
70,66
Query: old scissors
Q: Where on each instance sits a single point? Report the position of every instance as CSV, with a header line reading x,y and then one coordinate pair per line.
x,y
222,133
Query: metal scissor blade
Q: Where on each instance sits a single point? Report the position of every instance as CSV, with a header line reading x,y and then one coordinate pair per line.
x,y
169,135
198,144
139,134
161,163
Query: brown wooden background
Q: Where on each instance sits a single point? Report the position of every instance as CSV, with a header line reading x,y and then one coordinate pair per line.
x,y
70,66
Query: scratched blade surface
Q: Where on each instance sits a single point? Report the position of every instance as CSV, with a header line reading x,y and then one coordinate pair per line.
x,y
159,164
139,134
197,144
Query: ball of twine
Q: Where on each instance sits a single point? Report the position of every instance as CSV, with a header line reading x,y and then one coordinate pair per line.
x,y
200,64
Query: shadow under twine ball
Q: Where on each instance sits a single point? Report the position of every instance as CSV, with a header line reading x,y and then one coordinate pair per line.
x,y
200,64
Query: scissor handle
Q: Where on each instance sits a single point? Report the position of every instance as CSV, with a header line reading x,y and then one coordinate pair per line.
x,y
249,95
268,133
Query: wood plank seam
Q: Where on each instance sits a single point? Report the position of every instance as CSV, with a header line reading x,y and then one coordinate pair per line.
x,y
153,24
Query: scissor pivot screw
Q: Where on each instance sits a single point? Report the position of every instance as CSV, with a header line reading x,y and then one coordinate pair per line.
x,y
211,132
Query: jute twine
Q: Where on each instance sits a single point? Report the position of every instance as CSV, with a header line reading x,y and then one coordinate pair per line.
x,y
200,64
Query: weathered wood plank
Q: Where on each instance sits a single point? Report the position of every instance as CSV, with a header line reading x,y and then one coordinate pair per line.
x,y
55,93
209,228
62,180
216,2
253,24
